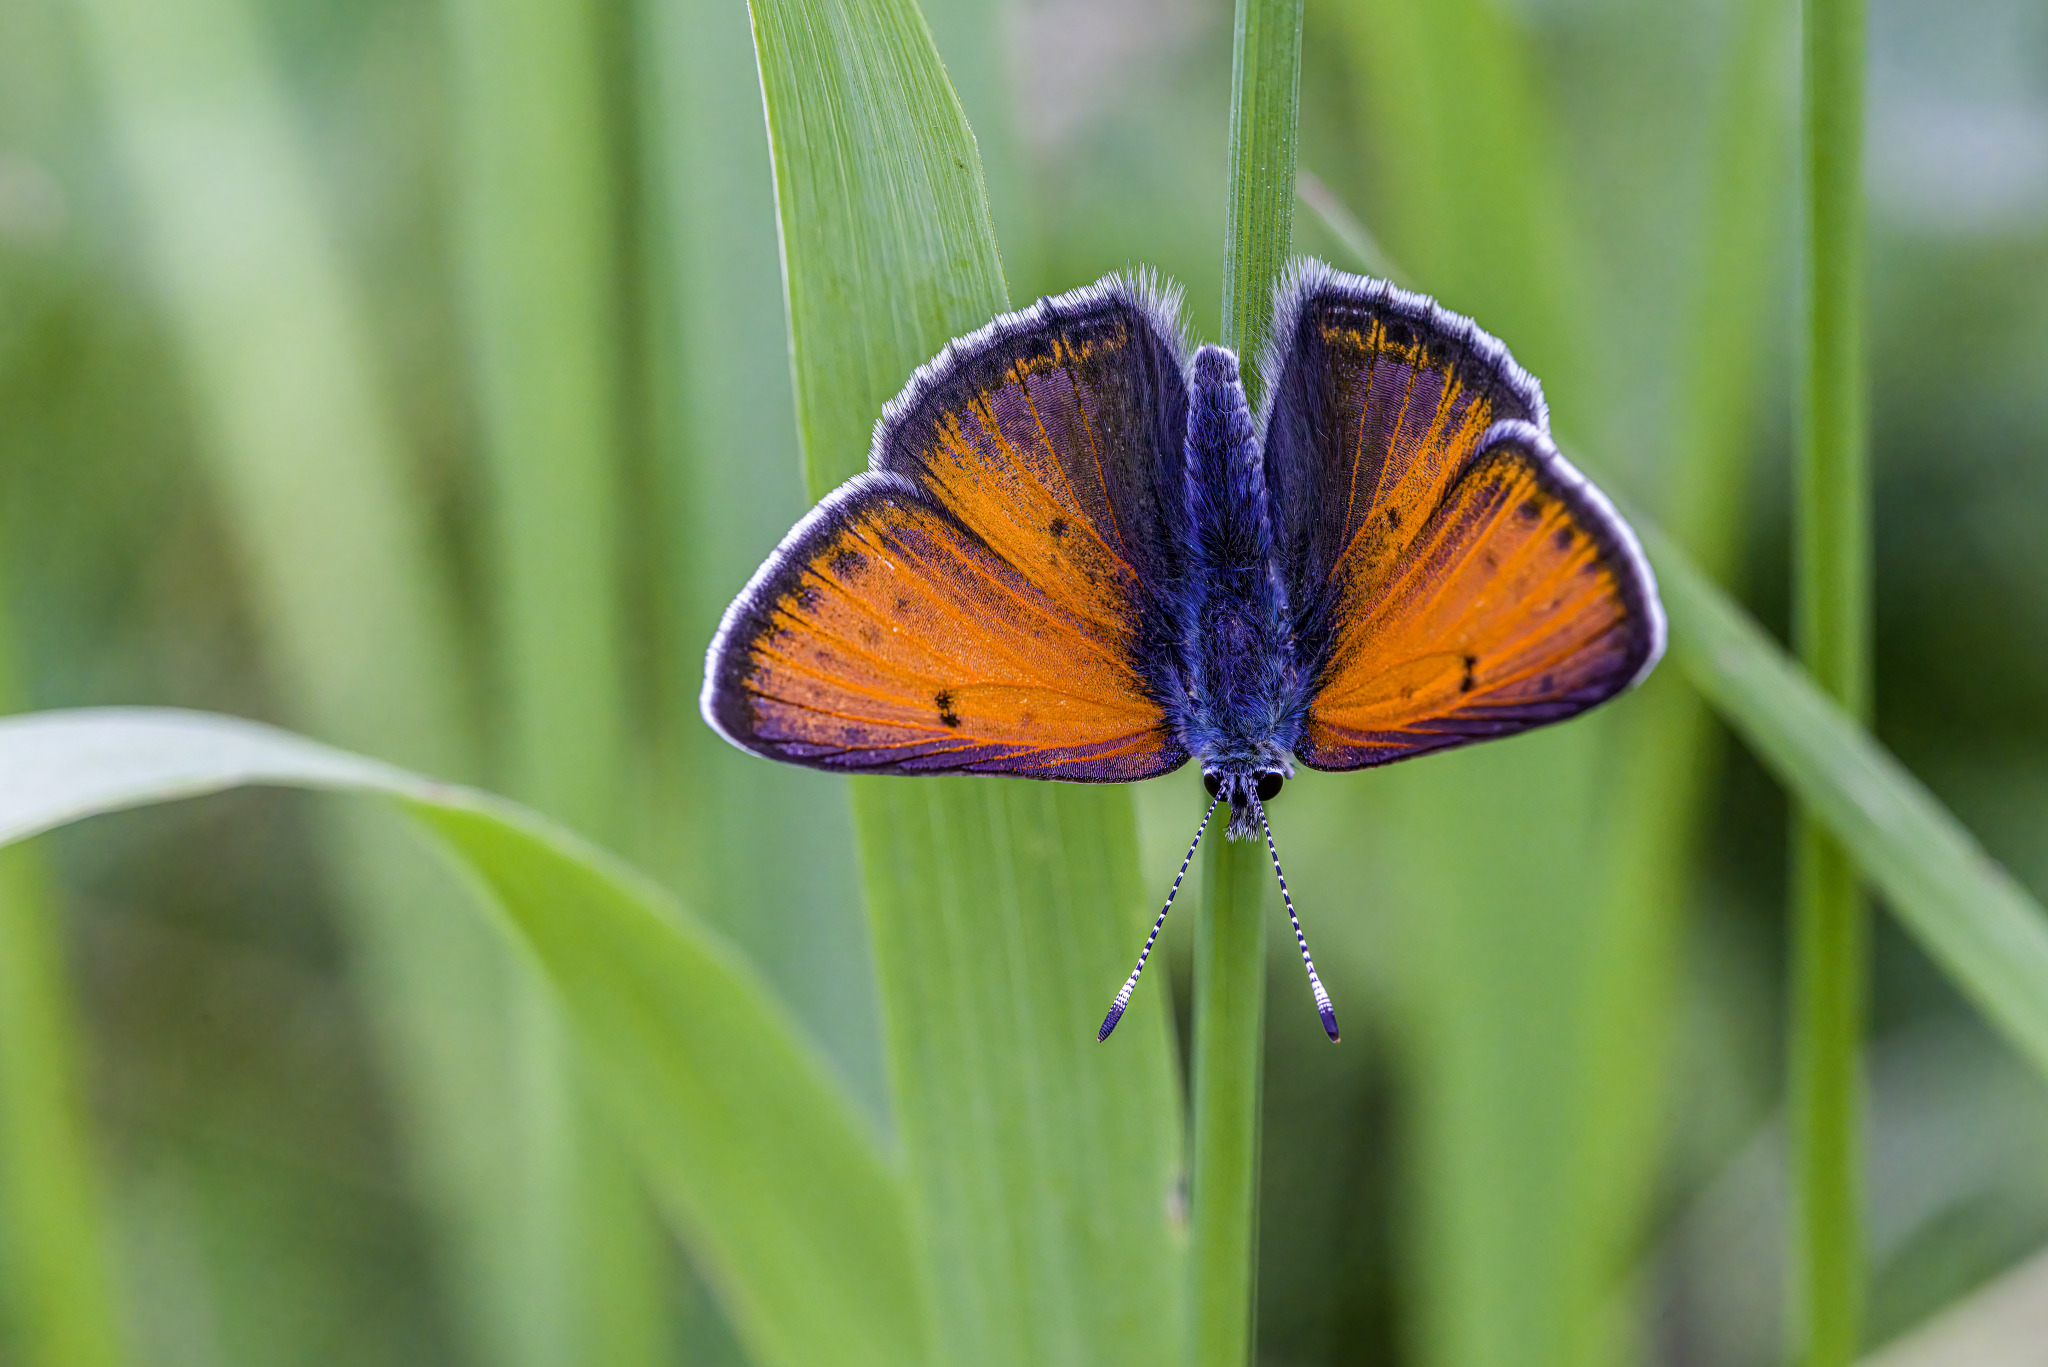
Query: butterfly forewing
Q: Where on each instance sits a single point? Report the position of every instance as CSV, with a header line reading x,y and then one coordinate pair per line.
x,y
984,601
1453,577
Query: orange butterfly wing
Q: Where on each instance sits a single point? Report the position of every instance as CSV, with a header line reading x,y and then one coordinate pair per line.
x,y
980,601
1453,577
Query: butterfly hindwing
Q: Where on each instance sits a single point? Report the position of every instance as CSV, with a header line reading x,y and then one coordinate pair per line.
x,y
987,598
1453,577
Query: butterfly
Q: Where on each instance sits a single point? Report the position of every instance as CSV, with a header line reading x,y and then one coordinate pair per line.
x,y
1078,554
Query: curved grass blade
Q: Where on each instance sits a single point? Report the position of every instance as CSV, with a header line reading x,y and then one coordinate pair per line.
x,y
1043,1166
763,1164
1986,932
311,468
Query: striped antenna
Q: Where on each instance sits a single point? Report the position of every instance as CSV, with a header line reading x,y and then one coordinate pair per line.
x,y
1315,983
1123,998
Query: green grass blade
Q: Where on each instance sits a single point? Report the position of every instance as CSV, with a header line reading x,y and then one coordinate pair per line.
x,y
1985,931
1227,1073
1831,627
764,1165
887,247
975,39
536,258
1265,117
537,241
56,1275
730,485
1042,1165
310,468
739,1130
59,1291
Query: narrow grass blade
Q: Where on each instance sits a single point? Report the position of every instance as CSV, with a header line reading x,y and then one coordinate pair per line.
x,y
537,241
1988,935
59,1289
1265,117
1226,1076
729,485
1831,628
362,644
1043,1166
1366,252
56,1273
762,1163
1229,1049
975,39
887,247
1668,754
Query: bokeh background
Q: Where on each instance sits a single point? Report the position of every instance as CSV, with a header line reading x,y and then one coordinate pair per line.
x,y
342,344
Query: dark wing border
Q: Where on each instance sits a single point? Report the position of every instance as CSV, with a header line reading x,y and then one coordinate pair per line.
x,y
1307,279
1155,300
747,615
1603,523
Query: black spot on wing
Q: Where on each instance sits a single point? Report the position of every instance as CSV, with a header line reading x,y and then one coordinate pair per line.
x,y
943,700
1471,662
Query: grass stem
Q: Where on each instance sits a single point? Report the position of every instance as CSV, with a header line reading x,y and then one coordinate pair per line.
x,y
1265,111
59,1296
1230,953
1230,1015
1831,631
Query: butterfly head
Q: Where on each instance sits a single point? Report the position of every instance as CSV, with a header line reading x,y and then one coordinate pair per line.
x,y
1245,789
1248,788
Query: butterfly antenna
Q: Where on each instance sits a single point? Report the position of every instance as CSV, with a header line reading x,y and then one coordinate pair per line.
x,y
1123,998
1315,983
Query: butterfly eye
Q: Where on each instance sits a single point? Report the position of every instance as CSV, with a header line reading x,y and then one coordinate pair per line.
x,y
1213,782
1269,787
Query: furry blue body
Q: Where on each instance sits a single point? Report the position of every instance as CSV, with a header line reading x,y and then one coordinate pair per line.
x,y
1239,709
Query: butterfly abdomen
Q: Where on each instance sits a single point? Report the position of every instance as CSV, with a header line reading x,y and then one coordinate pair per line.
x,y
1242,691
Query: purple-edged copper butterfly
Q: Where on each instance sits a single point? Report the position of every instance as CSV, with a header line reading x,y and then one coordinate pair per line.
x,y
1077,554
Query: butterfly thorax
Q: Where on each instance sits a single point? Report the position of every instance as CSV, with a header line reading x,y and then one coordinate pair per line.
x,y
1243,694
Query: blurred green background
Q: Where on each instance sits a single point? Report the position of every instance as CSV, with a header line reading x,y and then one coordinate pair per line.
x,y
416,375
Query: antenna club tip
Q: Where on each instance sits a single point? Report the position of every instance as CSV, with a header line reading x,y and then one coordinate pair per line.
x,y
1116,1013
1330,1025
